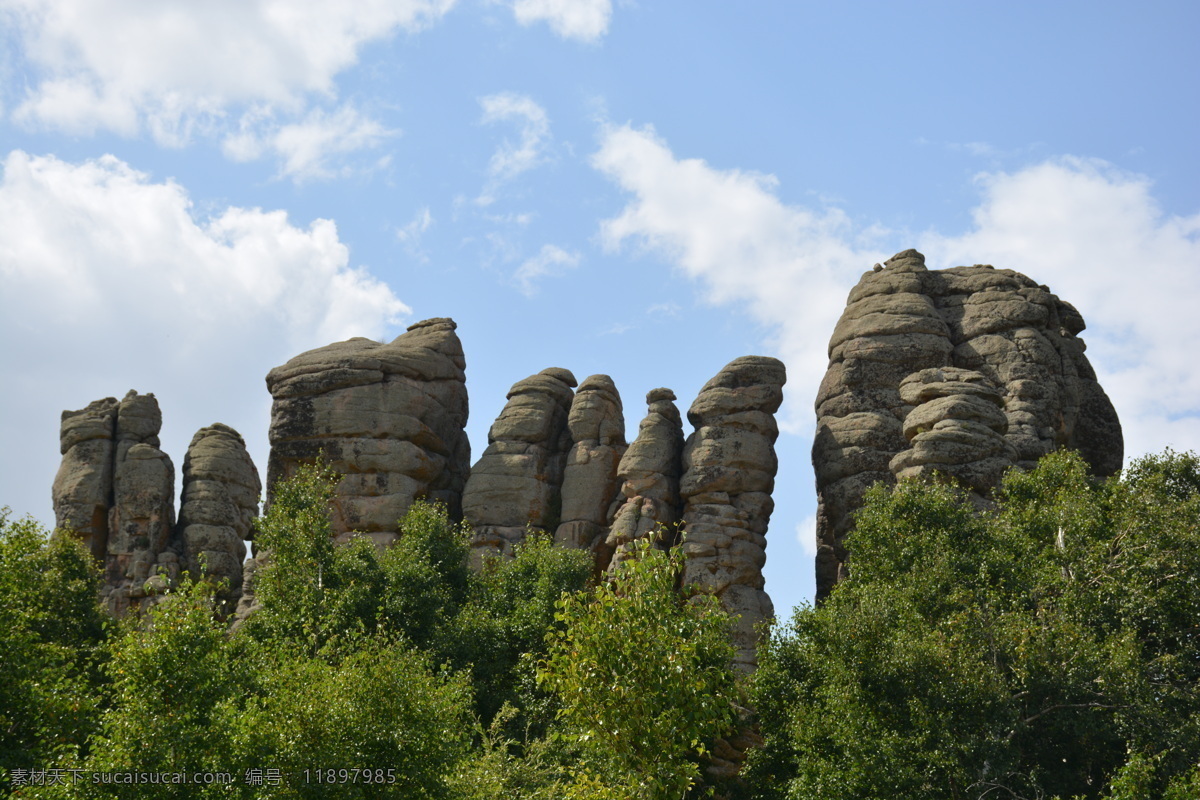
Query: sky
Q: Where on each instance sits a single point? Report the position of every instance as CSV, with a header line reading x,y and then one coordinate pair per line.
x,y
193,193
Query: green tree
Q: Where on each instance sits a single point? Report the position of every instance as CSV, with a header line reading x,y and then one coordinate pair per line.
x,y
378,722
175,675
50,646
1047,649
502,631
643,673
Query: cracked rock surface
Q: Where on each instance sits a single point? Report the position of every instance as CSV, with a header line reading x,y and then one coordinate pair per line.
x,y
963,371
729,467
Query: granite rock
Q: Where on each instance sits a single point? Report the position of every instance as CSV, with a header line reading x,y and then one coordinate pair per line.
x,y
517,483
590,484
218,505
389,417
650,470
1014,384
729,468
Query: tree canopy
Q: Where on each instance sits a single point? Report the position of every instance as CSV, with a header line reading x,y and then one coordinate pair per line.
x,y
1048,648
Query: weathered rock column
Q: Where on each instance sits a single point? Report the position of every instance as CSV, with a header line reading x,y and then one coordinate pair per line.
x,y
142,519
517,482
218,506
389,417
649,471
83,485
597,428
729,472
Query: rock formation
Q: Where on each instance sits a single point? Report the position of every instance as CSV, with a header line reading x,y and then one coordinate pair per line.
x,y
218,505
596,425
956,428
114,490
517,482
83,486
389,417
729,472
930,369
649,472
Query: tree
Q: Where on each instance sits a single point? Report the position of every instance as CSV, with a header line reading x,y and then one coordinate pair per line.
x,y
643,673
176,682
1047,649
50,646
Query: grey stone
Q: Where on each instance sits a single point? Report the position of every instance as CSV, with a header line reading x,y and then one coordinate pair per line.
x,y
983,367
517,483
729,468
389,417
218,505
596,424
650,470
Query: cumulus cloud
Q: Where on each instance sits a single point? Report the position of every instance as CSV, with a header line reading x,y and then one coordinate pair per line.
x,y
551,261
586,20
315,147
112,282
1094,234
513,158
176,68
789,266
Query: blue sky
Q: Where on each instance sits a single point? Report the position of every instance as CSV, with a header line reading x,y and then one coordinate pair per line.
x,y
191,193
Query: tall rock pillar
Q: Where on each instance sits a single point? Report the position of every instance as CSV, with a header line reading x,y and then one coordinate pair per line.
x,y
115,490
517,482
649,471
729,467
597,428
218,505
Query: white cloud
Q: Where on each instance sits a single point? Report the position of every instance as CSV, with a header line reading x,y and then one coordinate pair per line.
x,y
551,261
315,147
790,267
102,241
1094,234
173,68
513,158
411,232
111,282
571,19
806,535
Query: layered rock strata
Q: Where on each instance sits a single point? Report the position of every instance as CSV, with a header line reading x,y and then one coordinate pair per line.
x,y
596,425
729,468
649,473
517,482
389,417
83,486
884,409
218,505
115,490
956,428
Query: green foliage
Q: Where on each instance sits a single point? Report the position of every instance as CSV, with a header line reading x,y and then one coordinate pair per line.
x,y
175,677
643,673
1047,649
381,709
50,645
501,632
